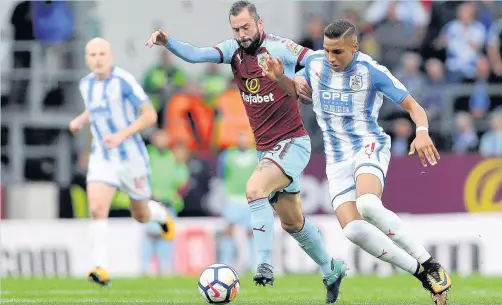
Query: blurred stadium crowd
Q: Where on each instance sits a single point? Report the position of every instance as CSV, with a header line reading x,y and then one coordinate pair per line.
x,y
447,53
430,47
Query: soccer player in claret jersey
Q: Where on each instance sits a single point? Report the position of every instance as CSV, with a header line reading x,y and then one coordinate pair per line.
x,y
117,109
281,140
348,88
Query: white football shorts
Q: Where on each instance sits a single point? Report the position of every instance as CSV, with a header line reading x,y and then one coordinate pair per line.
x,y
131,177
342,175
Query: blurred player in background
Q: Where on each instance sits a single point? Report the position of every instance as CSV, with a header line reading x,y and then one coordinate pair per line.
x,y
281,139
117,109
348,90
235,166
169,176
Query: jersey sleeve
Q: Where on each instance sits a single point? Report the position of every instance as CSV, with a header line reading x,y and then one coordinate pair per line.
x,y
305,72
84,87
294,53
132,91
81,89
387,83
192,54
226,50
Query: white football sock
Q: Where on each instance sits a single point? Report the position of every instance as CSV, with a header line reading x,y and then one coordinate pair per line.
x,y
98,234
158,212
373,241
373,211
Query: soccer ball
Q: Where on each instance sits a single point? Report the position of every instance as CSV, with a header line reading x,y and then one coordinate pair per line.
x,y
219,284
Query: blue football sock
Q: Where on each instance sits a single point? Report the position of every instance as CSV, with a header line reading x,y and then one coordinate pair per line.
x,y
252,254
311,242
262,219
227,250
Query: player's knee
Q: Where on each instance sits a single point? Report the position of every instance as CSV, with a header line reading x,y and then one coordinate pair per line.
x,y
98,211
254,192
140,216
353,230
292,226
366,204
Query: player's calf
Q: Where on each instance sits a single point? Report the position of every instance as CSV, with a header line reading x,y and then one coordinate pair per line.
x,y
262,221
266,179
150,210
100,196
303,230
140,216
371,208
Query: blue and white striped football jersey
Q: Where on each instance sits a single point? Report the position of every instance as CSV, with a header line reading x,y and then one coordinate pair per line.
x,y
346,104
113,104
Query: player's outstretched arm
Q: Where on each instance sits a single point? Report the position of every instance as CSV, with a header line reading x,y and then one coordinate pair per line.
x,y
274,69
393,89
422,144
183,50
79,122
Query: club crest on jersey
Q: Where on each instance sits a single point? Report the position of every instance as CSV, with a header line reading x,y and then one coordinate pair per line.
x,y
356,82
253,85
261,59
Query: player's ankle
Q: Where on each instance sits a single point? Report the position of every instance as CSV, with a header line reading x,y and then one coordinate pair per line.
x,y
429,263
419,271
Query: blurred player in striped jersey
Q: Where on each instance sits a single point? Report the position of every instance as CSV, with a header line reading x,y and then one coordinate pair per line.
x,y
282,141
348,90
117,109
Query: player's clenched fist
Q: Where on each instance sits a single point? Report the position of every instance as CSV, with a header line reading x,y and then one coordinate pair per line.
x,y
76,125
303,90
158,37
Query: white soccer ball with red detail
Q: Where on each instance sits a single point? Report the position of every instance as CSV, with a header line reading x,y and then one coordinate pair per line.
x,y
219,284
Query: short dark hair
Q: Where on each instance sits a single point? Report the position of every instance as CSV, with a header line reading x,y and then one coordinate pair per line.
x,y
339,29
238,6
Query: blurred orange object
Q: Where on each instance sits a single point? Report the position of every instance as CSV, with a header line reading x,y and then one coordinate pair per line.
x,y
232,120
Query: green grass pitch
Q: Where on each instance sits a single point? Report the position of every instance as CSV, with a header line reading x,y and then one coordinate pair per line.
x,y
289,289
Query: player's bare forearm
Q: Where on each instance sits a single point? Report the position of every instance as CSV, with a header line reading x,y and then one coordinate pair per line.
x,y
288,85
83,118
417,112
147,118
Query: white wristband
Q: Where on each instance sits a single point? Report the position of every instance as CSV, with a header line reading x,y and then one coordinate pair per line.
x,y
422,128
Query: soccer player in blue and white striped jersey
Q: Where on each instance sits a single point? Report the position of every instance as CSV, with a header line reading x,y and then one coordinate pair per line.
x,y
348,89
117,109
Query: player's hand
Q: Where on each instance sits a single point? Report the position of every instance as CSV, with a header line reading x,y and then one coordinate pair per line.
x,y
427,152
114,140
303,89
76,126
158,37
273,68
